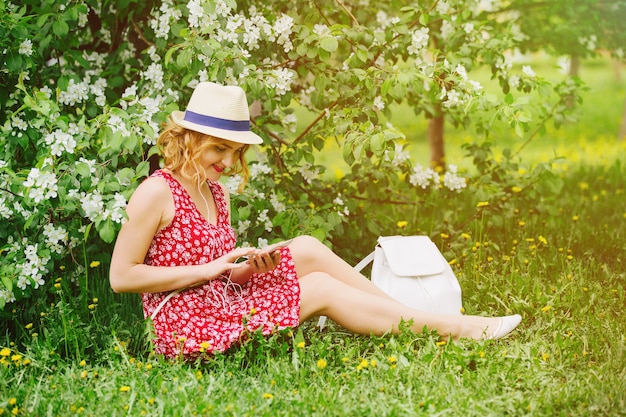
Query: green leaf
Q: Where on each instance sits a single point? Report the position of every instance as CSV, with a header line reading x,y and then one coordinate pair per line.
x,y
329,43
14,63
107,231
60,28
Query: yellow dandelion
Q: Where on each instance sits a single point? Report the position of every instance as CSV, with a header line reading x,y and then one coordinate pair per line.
x,y
465,236
516,189
124,388
268,396
301,345
12,401
322,363
392,359
5,352
29,326
253,311
546,309
575,218
204,346
521,223
545,357
16,358
84,374
583,185
94,264
402,224
481,354
57,286
441,343
444,235
26,361
543,240
82,363
482,204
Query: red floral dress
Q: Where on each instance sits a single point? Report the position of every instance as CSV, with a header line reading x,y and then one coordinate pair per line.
x,y
213,316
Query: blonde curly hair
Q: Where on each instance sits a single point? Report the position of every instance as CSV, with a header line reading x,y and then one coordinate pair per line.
x,y
182,148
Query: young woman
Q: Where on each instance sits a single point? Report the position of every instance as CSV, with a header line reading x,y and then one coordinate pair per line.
x,y
177,248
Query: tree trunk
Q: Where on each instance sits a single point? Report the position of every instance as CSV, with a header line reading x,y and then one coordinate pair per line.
x,y
435,140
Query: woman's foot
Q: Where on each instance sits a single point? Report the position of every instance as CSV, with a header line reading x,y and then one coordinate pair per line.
x,y
488,328
505,325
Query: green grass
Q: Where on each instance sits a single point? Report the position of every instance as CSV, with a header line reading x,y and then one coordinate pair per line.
x,y
565,273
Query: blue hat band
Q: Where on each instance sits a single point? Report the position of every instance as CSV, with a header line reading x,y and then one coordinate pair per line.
x,y
216,122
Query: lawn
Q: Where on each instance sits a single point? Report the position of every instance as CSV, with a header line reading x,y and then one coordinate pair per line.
x,y
560,262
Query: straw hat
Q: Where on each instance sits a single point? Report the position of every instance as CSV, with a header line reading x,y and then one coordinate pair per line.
x,y
220,111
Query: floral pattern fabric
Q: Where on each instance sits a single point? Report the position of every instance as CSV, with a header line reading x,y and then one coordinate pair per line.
x,y
215,315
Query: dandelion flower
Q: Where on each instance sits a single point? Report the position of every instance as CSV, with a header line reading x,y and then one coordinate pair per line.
x,y
268,396
301,345
94,264
322,363
482,204
124,388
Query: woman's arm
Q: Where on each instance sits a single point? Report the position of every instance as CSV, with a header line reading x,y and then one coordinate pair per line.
x,y
149,210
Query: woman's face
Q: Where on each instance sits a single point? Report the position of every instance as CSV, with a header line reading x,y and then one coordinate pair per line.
x,y
218,156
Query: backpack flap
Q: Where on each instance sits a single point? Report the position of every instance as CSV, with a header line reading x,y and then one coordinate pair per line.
x,y
409,256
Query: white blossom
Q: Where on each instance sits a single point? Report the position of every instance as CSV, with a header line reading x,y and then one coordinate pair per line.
x,y
55,237
378,104
264,219
278,205
118,125
259,169
419,41
43,185
452,181
308,173
26,47
60,142
75,93
195,13
423,177
233,183
526,69
92,204
400,155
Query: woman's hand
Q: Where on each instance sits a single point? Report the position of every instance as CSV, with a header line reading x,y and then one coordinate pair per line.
x,y
264,261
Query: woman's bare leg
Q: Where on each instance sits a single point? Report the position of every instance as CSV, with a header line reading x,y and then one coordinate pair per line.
x,y
363,312
311,255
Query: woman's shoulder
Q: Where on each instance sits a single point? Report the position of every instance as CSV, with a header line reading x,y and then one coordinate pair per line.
x,y
153,189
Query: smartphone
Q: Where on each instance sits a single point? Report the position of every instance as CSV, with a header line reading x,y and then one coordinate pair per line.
x,y
275,246
271,249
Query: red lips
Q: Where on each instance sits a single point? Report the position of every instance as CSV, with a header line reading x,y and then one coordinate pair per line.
x,y
218,168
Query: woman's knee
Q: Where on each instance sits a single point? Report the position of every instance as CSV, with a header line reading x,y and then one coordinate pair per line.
x,y
307,253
